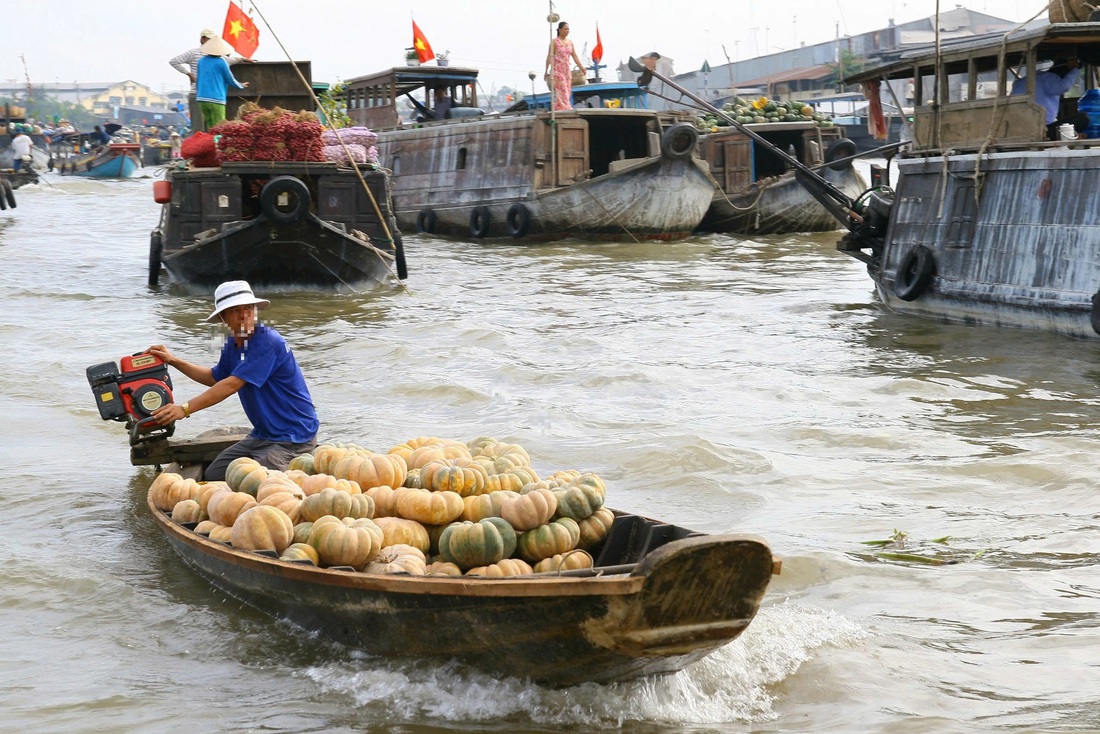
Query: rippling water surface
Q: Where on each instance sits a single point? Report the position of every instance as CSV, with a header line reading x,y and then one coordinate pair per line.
x,y
718,383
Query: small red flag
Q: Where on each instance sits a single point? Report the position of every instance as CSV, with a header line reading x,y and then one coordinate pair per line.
x,y
420,45
240,31
597,52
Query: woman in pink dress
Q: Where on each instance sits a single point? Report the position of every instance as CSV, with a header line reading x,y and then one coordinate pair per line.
x,y
558,76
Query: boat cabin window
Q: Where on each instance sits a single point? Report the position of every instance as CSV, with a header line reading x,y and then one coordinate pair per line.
x,y
396,167
615,138
461,165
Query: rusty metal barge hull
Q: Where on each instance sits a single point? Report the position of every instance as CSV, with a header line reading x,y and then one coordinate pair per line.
x,y
1022,252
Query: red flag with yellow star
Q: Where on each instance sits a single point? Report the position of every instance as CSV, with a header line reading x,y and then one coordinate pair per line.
x,y
421,46
240,31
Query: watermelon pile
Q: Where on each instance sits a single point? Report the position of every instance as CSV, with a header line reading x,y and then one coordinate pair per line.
x,y
762,110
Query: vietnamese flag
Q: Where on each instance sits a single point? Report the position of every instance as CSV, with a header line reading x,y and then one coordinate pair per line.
x,y
420,45
597,51
240,31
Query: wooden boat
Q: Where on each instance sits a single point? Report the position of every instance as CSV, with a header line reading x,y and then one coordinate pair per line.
x,y
659,598
276,223
757,191
590,173
989,223
114,160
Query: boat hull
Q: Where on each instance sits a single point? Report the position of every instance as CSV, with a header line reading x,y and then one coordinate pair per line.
x,y
218,226
779,206
1027,256
116,161
677,604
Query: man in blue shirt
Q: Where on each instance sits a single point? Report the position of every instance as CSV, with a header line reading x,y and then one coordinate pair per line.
x,y
257,365
1050,85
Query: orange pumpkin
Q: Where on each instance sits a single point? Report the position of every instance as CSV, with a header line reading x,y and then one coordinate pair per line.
x,y
262,528
207,490
338,544
279,486
301,552
187,511
480,506
429,508
547,541
288,502
528,511
571,561
385,501
502,568
315,483
168,489
443,568
595,528
225,507
220,533
338,503
399,531
398,559
238,469
456,475
372,471
204,527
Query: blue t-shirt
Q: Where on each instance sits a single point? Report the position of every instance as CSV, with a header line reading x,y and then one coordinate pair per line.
x,y
213,79
274,397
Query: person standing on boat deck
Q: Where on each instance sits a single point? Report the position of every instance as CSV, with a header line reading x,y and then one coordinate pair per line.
x,y
1050,85
20,149
557,75
214,78
256,364
442,103
187,63
99,137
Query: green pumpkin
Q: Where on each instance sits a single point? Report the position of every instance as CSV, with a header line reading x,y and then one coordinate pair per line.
x,y
547,541
471,544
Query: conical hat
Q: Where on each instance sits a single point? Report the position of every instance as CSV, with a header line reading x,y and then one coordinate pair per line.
x,y
216,46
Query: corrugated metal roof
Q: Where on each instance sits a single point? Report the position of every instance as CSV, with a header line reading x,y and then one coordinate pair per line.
x,y
808,73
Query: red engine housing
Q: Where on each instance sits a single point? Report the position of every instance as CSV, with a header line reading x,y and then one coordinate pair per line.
x,y
144,385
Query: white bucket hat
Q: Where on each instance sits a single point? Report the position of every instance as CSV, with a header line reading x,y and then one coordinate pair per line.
x,y
234,293
207,33
216,46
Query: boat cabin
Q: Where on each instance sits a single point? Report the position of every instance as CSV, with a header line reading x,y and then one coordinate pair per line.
x,y
979,93
602,95
377,101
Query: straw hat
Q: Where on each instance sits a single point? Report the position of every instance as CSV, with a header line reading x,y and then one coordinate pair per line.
x,y
216,46
234,293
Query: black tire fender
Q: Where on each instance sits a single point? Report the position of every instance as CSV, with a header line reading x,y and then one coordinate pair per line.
x,y
297,199
838,149
156,246
9,193
479,222
426,221
398,250
3,199
518,220
1094,314
679,141
914,273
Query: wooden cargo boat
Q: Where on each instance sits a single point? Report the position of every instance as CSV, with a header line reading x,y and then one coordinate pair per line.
x,y
989,223
283,223
590,173
276,223
659,598
757,192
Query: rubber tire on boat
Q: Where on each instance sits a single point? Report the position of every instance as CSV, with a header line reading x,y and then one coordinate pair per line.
x,y
156,246
1094,315
479,222
3,199
425,221
838,149
518,220
679,141
9,193
914,273
299,199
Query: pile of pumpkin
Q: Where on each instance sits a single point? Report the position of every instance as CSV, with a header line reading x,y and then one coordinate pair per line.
x,y
429,506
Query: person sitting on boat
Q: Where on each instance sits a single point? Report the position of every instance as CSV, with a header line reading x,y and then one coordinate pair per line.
x,y
1051,82
100,137
442,103
558,76
20,150
214,78
258,366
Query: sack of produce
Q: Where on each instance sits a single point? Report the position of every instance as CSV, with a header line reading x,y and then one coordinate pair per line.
x,y
200,148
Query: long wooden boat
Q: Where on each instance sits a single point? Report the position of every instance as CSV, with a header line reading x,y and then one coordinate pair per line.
x,y
659,597
989,222
114,160
276,223
590,173
757,191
